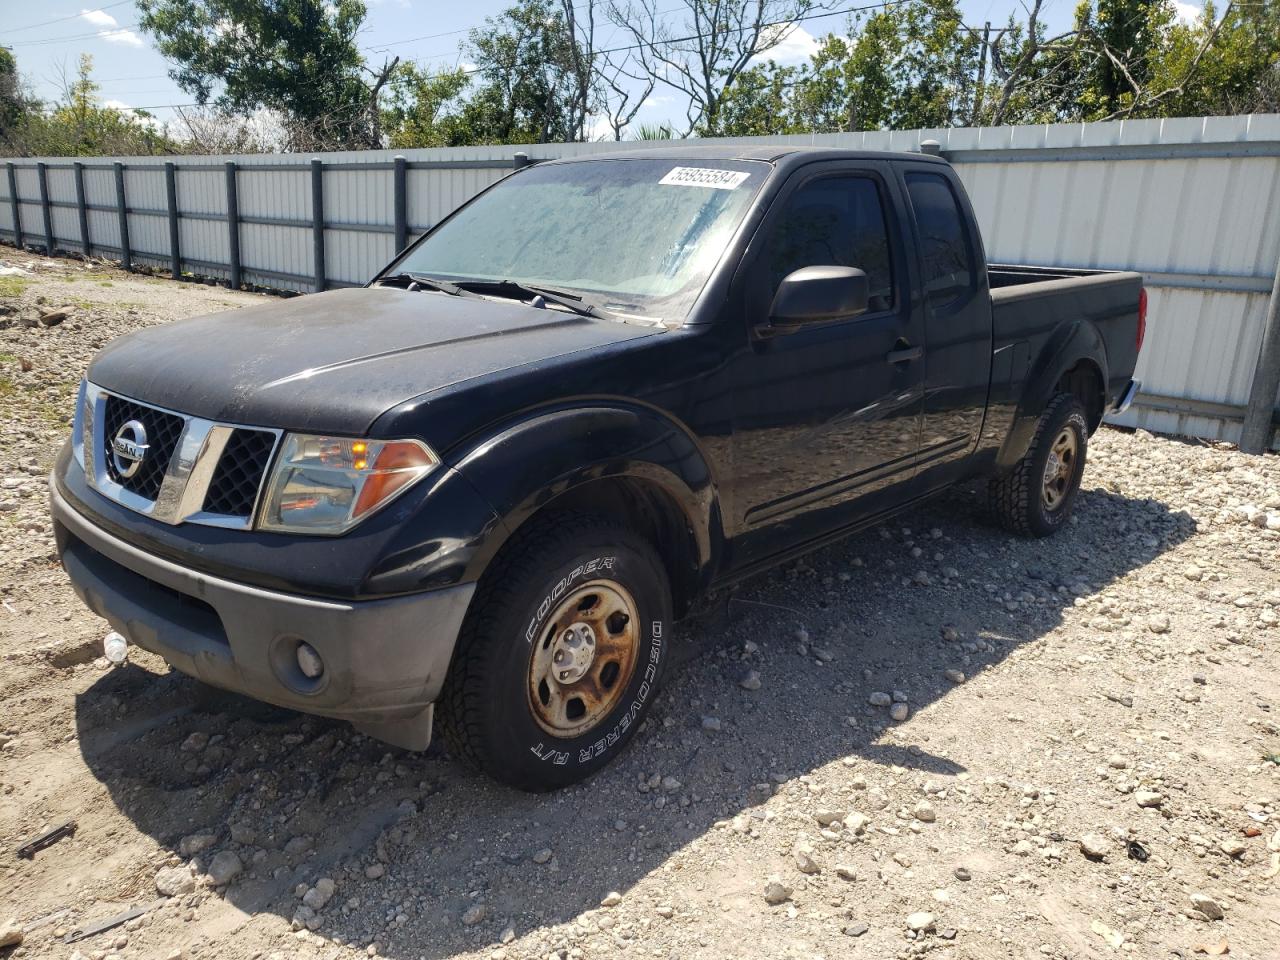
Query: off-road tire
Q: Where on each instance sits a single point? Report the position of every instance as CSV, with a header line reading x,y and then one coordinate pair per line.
x,y
1016,498
487,713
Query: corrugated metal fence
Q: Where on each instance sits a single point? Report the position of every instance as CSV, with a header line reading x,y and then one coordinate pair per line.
x,y
1193,204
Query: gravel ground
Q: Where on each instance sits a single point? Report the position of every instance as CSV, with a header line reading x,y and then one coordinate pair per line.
x,y
931,739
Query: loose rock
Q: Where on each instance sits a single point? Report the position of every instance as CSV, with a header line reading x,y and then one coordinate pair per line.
x,y
776,892
920,922
175,881
224,868
1095,846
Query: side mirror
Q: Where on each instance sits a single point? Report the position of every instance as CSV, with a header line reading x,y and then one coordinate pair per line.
x,y
816,294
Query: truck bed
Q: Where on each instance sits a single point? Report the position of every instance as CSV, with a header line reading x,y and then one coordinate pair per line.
x,y
1030,305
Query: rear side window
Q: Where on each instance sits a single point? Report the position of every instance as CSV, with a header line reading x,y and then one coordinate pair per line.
x,y
835,221
945,253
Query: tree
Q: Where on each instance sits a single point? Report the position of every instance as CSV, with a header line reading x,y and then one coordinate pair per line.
x,y
297,57
536,76
425,109
702,53
15,104
759,104
78,125
1215,65
902,67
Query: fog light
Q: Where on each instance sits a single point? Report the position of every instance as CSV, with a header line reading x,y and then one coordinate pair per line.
x,y
309,661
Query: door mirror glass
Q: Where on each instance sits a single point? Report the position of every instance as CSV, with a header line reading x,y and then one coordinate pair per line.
x,y
820,293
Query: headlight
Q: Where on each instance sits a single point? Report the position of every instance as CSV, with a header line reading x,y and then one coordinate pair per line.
x,y
326,485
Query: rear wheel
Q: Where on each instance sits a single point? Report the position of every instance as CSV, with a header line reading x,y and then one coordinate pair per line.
x,y
560,655
1036,497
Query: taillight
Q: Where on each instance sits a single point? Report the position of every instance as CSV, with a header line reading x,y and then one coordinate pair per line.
x,y
1142,317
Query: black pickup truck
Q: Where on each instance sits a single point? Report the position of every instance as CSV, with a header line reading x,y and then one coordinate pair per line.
x,y
490,481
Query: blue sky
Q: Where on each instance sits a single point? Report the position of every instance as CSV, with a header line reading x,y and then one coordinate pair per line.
x,y
132,73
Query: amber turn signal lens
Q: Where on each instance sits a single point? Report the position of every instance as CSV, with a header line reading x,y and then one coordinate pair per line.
x,y
399,464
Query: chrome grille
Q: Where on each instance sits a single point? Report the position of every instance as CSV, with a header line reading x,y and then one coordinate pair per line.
x,y
233,491
193,470
163,432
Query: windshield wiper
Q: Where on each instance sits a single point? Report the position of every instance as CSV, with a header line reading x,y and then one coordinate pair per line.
x,y
577,302
417,281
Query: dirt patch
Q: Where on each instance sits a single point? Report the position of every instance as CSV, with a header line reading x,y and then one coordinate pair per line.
x,y
1089,762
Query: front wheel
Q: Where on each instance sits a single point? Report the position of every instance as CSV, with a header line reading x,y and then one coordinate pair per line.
x,y
561,653
1036,497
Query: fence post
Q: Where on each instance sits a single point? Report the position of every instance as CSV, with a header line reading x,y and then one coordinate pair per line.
x,y
402,223
17,207
122,209
83,211
317,220
1258,428
519,161
171,194
233,224
42,174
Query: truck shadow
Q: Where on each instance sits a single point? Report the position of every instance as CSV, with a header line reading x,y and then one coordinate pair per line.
x,y
414,842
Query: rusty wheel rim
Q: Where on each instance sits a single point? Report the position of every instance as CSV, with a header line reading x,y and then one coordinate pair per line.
x,y
1059,468
584,658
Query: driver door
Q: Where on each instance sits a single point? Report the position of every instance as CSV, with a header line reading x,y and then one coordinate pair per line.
x,y
826,418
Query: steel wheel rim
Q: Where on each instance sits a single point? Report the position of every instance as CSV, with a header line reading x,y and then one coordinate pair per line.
x,y
583,659
1060,468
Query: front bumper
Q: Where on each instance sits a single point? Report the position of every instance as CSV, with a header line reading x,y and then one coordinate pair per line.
x,y
385,660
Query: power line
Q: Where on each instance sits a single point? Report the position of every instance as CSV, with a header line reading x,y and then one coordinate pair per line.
x,y
447,33
634,46
884,5
74,16
100,32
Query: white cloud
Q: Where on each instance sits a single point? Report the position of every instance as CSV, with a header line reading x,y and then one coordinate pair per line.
x,y
153,122
1187,12
125,38
796,47
99,18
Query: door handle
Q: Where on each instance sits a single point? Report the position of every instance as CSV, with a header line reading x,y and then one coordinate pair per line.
x,y
902,353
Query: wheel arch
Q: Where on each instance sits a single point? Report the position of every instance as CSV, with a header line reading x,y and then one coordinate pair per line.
x,y
1072,360
621,462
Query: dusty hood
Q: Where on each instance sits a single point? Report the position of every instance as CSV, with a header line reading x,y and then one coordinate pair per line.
x,y
335,361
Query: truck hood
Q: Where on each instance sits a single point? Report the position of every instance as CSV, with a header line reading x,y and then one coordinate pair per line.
x,y
333,362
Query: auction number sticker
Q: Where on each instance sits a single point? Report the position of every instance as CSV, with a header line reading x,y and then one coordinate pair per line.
x,y
704,177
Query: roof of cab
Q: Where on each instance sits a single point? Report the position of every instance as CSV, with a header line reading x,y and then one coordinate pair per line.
x,y
782,154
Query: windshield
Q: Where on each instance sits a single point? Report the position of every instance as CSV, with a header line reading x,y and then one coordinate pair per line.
x,y
640,237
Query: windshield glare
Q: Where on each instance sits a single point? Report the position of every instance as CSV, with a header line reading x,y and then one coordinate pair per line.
x,y
640,236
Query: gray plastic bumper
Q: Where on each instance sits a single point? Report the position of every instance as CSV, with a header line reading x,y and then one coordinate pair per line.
x,y
384,660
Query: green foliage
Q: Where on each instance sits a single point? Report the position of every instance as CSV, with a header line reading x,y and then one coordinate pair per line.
x,y
12,286
654,131
902,67
424,109
80,126
14,104
297,57
527,86
917,66
1239,73
289,74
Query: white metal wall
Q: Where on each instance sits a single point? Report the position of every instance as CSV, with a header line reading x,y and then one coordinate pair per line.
x,y
1192,203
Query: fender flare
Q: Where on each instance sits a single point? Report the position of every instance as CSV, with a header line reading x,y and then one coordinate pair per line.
x,y
524,465
1068,345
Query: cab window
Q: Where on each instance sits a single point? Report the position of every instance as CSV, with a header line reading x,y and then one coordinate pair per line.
x,y
835,221
945,254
